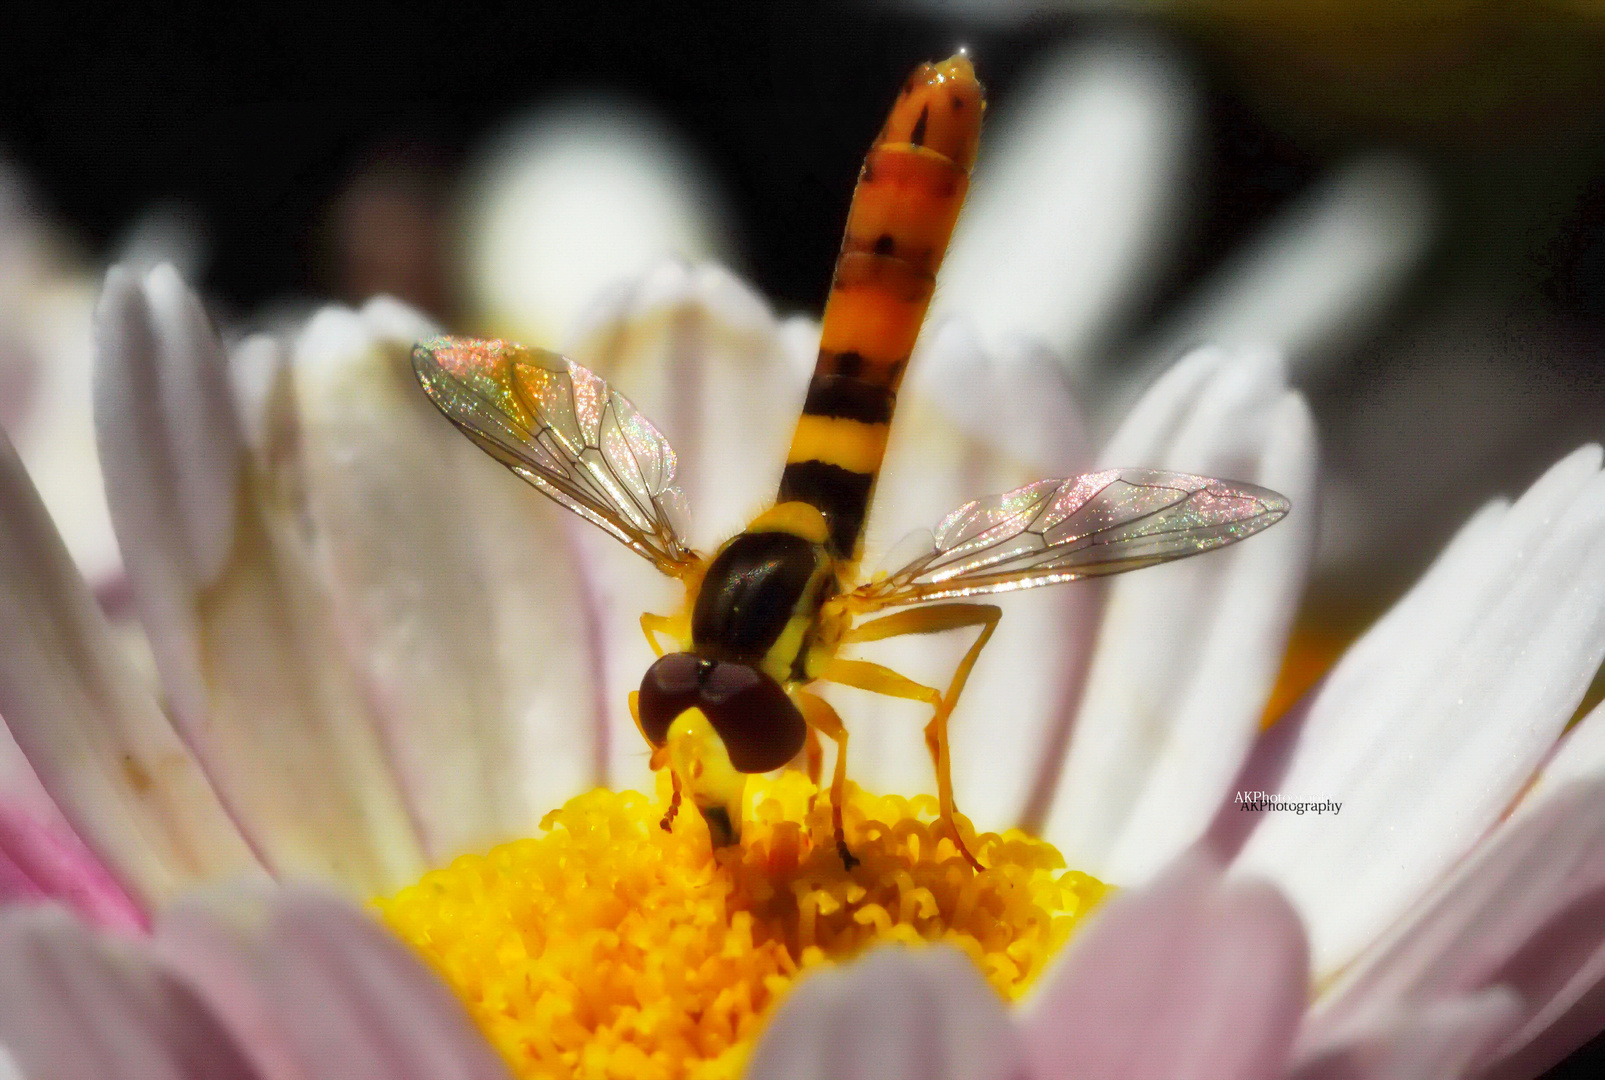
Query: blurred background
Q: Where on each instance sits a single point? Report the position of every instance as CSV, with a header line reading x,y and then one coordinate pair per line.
x,y
1408,199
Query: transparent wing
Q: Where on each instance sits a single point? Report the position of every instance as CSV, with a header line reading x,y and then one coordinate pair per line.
x,y
1060,530
563,429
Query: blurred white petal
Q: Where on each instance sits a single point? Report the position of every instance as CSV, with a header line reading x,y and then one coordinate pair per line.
x,y
46,360
55,435
456,588
253,668
1312,283
88,725
171,233
897,1014
574,198
1432,723
1187,653
1074,198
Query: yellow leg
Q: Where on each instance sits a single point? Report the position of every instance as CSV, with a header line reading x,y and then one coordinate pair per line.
x,y
659,758
823,719
883,680
812,756
653,625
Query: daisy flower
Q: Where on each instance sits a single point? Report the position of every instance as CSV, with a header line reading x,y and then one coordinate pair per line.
x,y
353,612
378,651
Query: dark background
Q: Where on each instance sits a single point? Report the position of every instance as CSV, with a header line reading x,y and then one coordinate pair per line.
x,y
260,118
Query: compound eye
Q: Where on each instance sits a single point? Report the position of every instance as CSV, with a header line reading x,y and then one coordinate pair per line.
x,y
760,727
670,686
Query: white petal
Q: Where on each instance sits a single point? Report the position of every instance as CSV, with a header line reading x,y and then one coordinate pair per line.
x,y
1074,190
1215,719
88,726
1523,912
574,198
90,1007
1187,653
55,435
1431,724
239,624
1318,275
704,359
894,1015
457,586
1580,756
972,423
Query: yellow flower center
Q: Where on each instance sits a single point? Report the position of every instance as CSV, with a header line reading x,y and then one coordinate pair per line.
x,y
611,948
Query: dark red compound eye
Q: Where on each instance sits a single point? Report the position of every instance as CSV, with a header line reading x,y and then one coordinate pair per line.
x,y
760,727
669,687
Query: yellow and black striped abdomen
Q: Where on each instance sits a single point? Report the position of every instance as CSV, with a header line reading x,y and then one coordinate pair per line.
x,y
904,207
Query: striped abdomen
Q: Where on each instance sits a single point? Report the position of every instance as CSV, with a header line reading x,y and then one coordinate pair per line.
x,y
907,199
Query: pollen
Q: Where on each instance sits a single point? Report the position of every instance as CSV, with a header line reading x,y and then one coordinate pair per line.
x,y
609,947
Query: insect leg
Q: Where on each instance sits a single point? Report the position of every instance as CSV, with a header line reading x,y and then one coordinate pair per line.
x,y
824,720
878,679
930,620
667,823
660,754
653,625
813,755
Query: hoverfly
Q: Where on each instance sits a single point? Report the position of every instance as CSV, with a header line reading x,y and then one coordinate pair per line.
x,y
766,615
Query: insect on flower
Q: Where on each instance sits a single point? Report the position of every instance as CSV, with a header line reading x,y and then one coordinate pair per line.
x,y
765,616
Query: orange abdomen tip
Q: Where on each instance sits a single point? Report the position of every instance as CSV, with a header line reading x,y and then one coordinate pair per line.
x,y
940,109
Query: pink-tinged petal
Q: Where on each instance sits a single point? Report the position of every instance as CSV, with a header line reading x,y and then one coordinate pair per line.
x,y
1188,977
457,587
76,1004
1441,1040
227,584
211,939
321,983
52,863
1430,726
896,1014
701,355
88,726
1073,198
1525,912
1578,1026
1187,653
9,1069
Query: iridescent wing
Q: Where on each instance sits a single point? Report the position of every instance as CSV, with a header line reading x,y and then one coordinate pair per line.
x,y
1060,530
563,429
